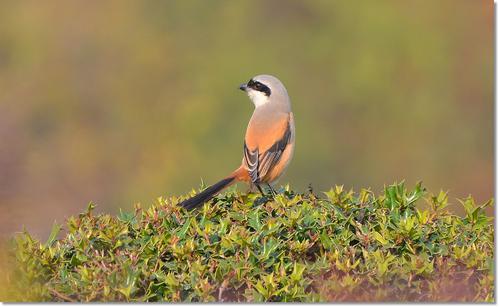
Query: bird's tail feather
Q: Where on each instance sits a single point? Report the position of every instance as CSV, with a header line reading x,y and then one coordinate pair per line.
x,y
204,196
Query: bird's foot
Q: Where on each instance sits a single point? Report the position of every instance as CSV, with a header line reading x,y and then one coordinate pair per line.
x,y
262,200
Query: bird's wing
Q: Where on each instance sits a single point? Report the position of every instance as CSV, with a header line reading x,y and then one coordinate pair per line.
x,y
259,161
251,162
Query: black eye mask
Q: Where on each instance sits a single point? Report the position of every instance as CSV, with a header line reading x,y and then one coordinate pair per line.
x,y
258,86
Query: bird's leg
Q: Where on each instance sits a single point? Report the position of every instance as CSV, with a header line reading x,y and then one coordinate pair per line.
x,y
272,191
260,189
263,199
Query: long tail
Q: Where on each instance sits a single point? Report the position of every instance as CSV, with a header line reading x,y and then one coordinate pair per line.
x,y
239,174
207,194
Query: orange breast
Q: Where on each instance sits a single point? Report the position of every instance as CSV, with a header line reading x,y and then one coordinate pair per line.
x,y
265,129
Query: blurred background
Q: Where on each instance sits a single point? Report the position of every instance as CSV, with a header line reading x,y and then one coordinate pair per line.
x,y
120,102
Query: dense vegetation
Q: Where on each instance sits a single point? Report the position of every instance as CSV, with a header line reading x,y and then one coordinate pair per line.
x,y
337,246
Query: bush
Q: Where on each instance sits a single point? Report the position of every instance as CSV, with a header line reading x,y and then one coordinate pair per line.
x,y
298,247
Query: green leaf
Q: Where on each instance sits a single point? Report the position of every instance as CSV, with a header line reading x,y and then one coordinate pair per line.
x,y
379,238
56,228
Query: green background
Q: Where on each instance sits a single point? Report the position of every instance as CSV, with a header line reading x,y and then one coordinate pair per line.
x,y
120,102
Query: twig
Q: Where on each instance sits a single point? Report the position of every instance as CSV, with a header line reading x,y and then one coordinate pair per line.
x,y
221,290
62,296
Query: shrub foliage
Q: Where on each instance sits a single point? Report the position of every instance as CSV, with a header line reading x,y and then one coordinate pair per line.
x,y
336,246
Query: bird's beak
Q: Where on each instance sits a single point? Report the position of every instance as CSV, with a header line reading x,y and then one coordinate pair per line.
x,y
243,87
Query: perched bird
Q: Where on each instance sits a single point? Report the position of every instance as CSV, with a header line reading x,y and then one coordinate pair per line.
x,y
268,144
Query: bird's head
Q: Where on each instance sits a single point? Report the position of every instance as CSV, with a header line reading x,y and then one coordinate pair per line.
x,y
265,89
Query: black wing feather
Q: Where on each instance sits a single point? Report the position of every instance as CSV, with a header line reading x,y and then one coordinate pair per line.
x,y
251,159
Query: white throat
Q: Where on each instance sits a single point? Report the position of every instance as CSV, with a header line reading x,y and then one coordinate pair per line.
x,y
258,98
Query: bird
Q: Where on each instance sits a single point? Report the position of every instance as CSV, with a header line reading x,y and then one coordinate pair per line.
x,y
269,141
